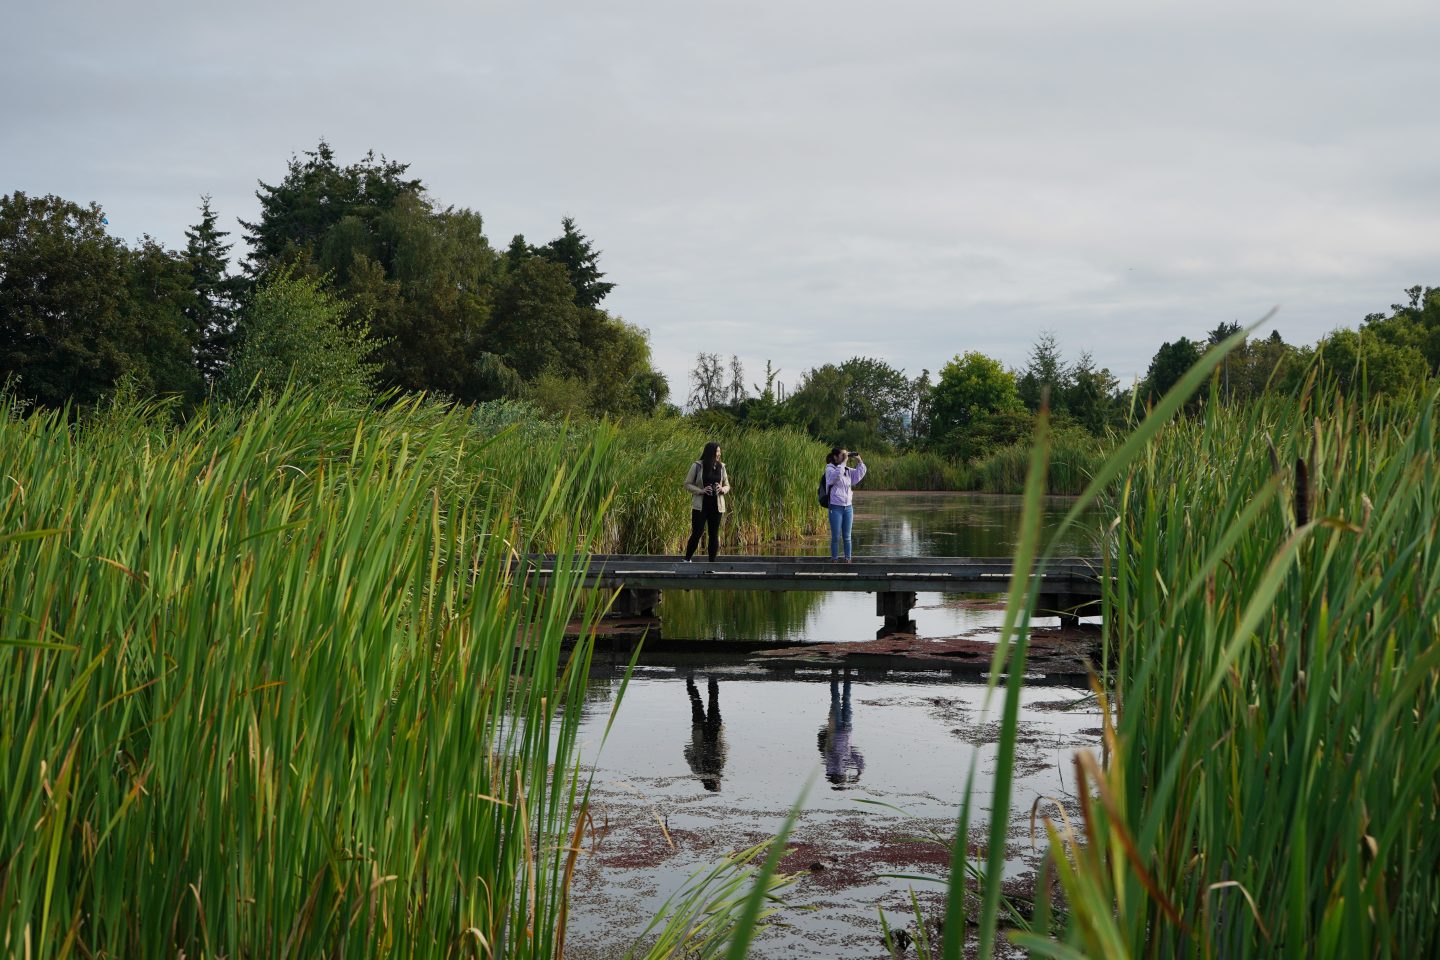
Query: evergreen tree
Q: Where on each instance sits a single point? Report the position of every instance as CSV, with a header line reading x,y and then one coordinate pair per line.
x,y
1168,365
1044,373
517,253
215,293
317,193
1090,396
575,253
535,326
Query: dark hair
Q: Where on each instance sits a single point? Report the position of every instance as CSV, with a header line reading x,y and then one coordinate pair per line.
x,y
708,455
834,455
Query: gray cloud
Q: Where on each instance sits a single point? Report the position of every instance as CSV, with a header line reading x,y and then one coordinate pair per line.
x,y
798,181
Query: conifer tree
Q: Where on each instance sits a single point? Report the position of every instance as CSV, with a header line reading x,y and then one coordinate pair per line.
x,y
573,251
216,293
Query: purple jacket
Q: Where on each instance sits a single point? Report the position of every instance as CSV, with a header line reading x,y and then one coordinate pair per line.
x,y
840,480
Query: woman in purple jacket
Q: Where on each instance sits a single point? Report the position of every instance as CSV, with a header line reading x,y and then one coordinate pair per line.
x,y
839,478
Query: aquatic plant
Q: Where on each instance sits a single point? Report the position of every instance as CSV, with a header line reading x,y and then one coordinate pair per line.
x,y
268,687
636,497
1273,784
917,470
1073,459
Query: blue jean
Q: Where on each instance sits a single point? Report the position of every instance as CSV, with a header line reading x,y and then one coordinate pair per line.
x,y
840,520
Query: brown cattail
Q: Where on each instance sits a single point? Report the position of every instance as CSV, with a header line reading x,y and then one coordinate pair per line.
x,y
1302,493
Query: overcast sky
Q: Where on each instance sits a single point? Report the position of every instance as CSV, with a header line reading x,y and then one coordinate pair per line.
x,y
802,182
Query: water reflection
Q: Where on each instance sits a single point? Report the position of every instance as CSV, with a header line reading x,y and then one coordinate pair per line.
x,y
843,763
706,751
738,614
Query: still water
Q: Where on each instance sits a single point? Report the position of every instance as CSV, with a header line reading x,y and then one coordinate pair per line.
x,y
711,746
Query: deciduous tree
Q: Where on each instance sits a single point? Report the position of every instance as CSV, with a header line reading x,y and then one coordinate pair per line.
x,y
972,387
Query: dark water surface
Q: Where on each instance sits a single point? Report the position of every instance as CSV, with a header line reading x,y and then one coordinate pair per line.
x,y
709,749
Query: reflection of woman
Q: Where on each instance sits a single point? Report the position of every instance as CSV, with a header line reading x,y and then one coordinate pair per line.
x,y
708,483
706,750
843,763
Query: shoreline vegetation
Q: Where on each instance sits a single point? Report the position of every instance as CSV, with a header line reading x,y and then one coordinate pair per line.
x,y
271,687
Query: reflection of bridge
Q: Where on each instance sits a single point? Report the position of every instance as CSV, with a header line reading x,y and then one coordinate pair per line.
x,y
1068,588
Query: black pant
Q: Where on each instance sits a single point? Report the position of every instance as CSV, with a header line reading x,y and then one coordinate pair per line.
x,y
699,521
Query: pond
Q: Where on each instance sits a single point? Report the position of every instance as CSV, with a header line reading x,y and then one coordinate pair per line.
x,y
712,744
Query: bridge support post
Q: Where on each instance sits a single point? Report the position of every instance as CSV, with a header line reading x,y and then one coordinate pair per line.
x,y
635,602
1068,607
895,607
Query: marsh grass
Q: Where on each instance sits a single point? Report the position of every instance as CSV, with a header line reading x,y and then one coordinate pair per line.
x,y
917,471
268,688
637,499
1073,459
1273,784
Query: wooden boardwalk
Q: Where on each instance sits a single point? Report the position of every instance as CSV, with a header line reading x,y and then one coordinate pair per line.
x,y
1066,589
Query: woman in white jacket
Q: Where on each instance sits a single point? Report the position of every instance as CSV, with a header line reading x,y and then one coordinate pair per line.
x,y
840,478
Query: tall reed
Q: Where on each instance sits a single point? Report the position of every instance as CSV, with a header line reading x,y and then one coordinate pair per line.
x,y
1274,781
637,497
916,470
268,687
1074,458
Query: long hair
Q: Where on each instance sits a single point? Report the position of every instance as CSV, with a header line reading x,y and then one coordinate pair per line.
x,y
834,456
707,457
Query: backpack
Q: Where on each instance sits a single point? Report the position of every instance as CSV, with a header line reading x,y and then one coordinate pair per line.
x,y
823,493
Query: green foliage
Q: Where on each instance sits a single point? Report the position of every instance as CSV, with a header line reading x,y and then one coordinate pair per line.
x,y
640,502
302,212
1167,367
818,404
536,325
916,470
1366,364
451,315
1415,324
877,399
1045,375
573,251
215,294
971,389
269,688
1091,397
79,311
1272,779
558,396
1075,456
294,333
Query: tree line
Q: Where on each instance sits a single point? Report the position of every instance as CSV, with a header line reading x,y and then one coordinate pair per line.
x,y
975,404
355,281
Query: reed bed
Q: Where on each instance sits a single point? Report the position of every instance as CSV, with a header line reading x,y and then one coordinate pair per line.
x,y
1074,459
637,497
917,471
269,688
1274,781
